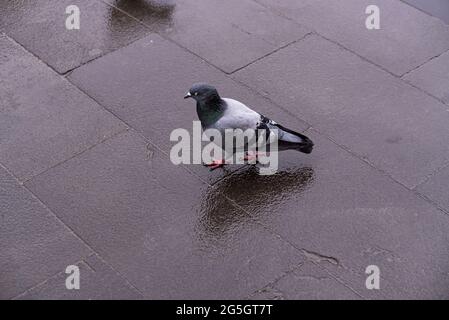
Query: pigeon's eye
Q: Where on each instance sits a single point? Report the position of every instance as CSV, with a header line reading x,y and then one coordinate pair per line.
x,y
196,93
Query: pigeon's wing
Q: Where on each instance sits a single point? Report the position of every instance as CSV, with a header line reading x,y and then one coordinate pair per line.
x,y
237,116
287,138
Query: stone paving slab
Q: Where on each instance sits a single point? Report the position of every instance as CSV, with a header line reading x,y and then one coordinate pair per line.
x,y
154,102
154,223
97,282
230,34
306,283
345,215
436,8
39,25
407,37
43,118
433,77
374,114
34,245
436,188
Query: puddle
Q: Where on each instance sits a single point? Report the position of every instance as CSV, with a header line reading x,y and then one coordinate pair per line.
x,y
256,195
148,11
436,8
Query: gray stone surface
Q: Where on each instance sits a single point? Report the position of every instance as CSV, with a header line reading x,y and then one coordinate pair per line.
x,y
97,281
345,215
34,245
305,283
407,37
39,25
230,34
154,104
436,8
44,120
433,77
436,188
156,225
365,109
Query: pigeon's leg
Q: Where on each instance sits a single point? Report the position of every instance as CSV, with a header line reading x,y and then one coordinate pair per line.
x,y
250,155
215,164
253,155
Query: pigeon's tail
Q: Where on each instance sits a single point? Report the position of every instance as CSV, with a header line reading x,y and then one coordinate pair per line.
x,y
289,139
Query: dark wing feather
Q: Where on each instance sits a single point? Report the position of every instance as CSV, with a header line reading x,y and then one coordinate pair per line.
x,y
288,139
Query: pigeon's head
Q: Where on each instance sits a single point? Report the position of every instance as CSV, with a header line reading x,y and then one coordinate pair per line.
x,y
202,92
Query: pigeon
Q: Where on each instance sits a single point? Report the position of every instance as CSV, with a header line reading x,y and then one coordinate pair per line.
x,y
219,113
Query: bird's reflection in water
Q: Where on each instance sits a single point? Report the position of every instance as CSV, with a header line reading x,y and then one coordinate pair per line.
x,y
256,195
154,13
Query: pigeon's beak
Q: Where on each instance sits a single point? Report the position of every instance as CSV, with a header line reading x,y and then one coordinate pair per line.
x,y
188,95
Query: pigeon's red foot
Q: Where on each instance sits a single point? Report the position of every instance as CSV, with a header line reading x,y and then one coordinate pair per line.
x,y
215,164
254,156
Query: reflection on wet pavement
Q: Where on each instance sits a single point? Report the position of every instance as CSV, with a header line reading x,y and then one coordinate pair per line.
x,y
39,27
251,191
154,13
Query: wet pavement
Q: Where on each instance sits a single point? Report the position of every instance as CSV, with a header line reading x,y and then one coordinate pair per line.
x,y
86,179
436,8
